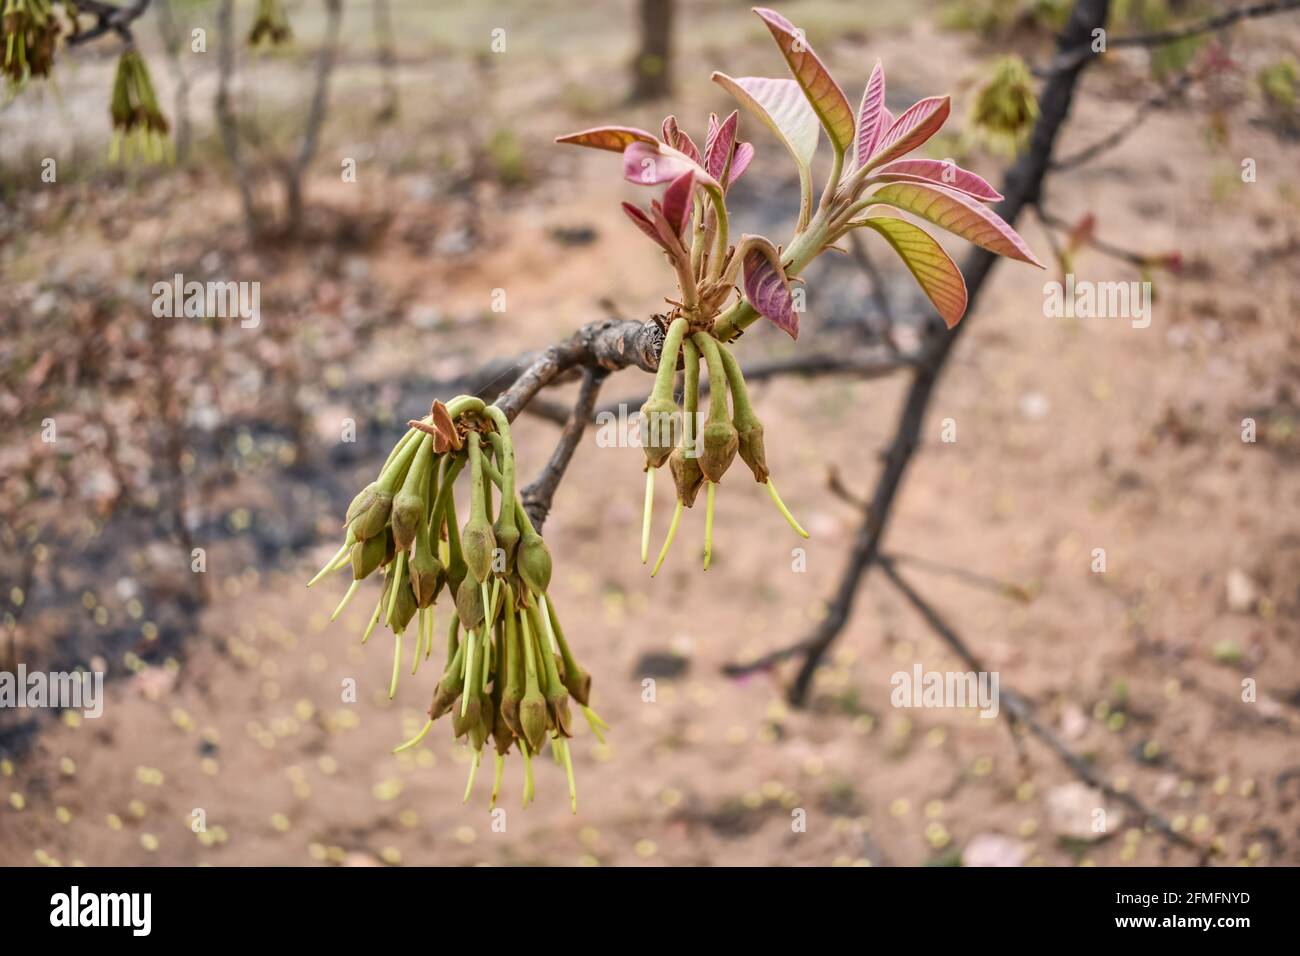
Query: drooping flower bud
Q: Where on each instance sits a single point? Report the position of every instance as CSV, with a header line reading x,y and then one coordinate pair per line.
x,y
405,607
408,512
533,562
427,575
532,718
660,426
687,475
373,517
469,605
368,555
720,445
752,451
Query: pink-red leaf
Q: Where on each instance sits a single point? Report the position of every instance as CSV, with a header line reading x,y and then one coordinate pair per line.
x,y
940,173
934,271
960,215
649,165
718,147
870,114
739,162
677,138
768,289
823,93
642,222
781,107
612,138
917,124
679,201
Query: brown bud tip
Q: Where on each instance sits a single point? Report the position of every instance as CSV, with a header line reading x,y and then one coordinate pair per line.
x,y
426,576
557,706
578,683
752,452
687,475
720,444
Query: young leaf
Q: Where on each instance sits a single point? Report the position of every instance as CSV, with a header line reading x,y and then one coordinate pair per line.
x,y
917,124
823,93
960,215
781,107
739,162
678,139
935,272
940,173
642,222
718,147
649,165
679,201
766,286
612,138
870,114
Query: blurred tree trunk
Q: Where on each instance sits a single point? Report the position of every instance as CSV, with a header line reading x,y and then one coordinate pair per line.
x,y
296,170
172,39
651,79
387,61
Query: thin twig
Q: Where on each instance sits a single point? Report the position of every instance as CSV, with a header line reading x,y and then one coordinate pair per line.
x,y
1069,58
1122,132
538,496
1021,711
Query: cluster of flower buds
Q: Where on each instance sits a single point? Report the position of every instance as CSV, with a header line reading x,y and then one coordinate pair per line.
x,y
869,181
698,453
509,675
1006,106
139,127
28,32
271,25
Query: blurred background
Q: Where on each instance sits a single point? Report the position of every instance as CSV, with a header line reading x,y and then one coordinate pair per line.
x,y
383,176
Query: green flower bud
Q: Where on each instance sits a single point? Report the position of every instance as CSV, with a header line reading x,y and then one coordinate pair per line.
x,y
469,604
507,537
368,555
361,502
406,607
373,518
533,562
462,724
720,445
660,426
408,513
427,575
687,475
477,542
533,719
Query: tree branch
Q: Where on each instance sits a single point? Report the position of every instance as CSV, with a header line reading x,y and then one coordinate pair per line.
x,y
537,496
1024,182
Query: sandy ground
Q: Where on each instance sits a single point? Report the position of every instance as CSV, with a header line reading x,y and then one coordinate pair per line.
x,y
1072,435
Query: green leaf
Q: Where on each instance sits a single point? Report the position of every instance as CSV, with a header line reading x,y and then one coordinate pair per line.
x,y
935,272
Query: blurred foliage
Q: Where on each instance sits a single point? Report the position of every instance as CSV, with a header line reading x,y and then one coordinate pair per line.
x,y
1005,107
